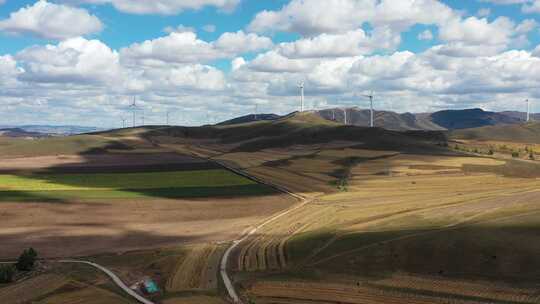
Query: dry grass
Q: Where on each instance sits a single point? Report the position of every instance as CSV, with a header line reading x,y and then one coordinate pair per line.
x,y
402,289
32,288
86,228
463,288
197,270
86,295
396,212
195,300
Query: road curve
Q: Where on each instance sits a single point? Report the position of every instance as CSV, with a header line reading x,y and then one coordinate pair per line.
x,y
115,279
225,258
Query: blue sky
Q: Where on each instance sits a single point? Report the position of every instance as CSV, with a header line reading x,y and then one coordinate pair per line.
x,y
64,60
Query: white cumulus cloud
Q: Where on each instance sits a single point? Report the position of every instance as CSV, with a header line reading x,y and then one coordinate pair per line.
x,y
51,21
185,47
161,7
75,60
425,35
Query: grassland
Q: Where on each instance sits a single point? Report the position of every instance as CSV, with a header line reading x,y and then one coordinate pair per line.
x,y
389,220
60,283
130,195
428,218
506,141
180,184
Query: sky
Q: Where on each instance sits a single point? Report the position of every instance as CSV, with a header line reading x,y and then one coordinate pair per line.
x,y
82,62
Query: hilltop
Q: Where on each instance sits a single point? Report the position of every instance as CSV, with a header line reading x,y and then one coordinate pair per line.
x,y
302,129
383,119
437,121
470,118
250,118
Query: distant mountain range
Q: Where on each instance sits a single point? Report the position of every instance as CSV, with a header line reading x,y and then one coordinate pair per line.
x,y
17,132
437,121
46,130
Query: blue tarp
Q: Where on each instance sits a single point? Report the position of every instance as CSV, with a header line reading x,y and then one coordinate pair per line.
x,y
151,286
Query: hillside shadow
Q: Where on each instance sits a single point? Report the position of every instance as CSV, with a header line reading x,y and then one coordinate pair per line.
x,y
116,171
89,242
495,257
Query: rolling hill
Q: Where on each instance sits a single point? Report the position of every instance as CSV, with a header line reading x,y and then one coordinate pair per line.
x,y
521,115
383,119
522,133
302,129
250,118
470,118
441,120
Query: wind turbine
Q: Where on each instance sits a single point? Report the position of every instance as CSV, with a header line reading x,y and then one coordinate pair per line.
x,y
370,96
133,106
528,110
256,111
123,123
142,118
301,86
168,114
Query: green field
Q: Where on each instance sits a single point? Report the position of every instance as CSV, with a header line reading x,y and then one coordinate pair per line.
x,y
177,184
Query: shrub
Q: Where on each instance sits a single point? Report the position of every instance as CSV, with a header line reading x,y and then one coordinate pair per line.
x,y
515,154
26,260
531,156
490,152
7,272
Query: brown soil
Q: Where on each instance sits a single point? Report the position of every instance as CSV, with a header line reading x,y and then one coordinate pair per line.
x,y
104,163
85,228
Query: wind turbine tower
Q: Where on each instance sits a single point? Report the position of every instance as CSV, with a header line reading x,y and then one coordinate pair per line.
x,y
142,118
370,96
256,111
133,107
301,86
528,110
123,123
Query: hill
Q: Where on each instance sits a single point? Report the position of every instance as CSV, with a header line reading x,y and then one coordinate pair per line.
x,y
521,115
470,118
56,130
302,129
17,132
521,133
383,119
441,120
437,121
250,118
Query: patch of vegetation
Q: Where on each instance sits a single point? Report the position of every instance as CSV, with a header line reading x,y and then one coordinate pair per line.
x,y
7,272
58,187
27,260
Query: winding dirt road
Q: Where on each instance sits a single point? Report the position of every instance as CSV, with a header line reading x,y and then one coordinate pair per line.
x,y
225,258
